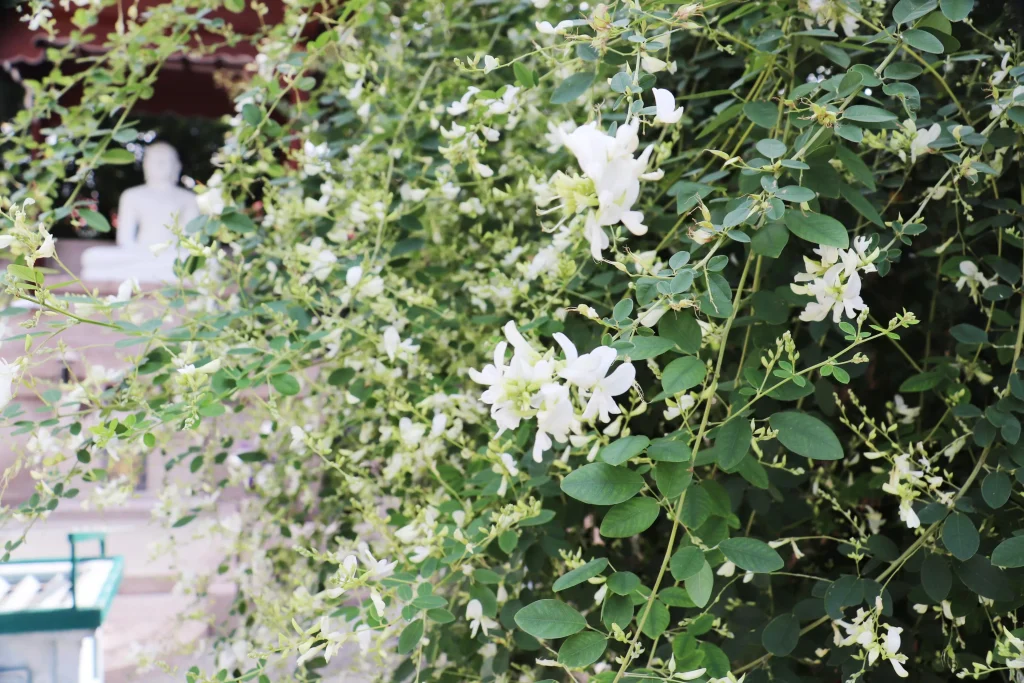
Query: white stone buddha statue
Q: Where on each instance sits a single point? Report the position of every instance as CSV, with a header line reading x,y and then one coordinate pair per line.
x,y
144,215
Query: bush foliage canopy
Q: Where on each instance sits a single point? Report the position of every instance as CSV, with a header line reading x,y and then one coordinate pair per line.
x,y
650,340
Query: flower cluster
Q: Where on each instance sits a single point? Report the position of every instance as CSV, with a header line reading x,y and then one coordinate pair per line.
x,y
863,630
835,281
535,385
610,186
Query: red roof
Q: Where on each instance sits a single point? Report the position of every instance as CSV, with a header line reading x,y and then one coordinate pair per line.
x,y
19,45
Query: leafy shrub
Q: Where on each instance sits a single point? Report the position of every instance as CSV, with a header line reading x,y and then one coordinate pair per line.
x,y
524,370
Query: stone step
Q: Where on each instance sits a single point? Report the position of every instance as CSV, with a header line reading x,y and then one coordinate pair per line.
x,y
164,634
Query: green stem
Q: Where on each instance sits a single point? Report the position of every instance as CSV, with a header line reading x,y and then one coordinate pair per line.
x,y
677,512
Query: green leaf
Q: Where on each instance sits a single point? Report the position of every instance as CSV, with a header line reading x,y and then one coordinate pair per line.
x,y
441,616
642,348
752,555
770,240
732,443
686,562
795,193
572,87
857,168
580,574
700,585
1009,553
956,10
523,75
936,578
622,450
599,483
960,536
717,301
582,649
807,436
623,583
817,228
617,609
781,635
252,114
921,382
118,157
968,334
683,374
410,637
902,71
865,113
862,204
657,620
235,6
183,521
238,222
672,478
550,619
630,518
981,577
764,114
907,11
682,329
286,384
923,41
94,220
995,489
773,149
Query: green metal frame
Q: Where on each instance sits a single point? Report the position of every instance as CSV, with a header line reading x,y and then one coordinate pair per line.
x,y
74,617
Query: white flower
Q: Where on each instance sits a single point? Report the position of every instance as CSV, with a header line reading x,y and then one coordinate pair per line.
x,y
378,602
589,373
608,161
364,636
1001,73
49,246
830,13
353,275
833,294
972,277
555,415
653,314
38,19
126,289
211,202
512,387
6,241
923,138
546,28
490,63
1006,101
395,347
8,372
477,620
462,105
376,569
906,413
665,103
689,675
652,65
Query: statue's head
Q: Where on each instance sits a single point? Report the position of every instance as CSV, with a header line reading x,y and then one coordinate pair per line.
x,y
161,165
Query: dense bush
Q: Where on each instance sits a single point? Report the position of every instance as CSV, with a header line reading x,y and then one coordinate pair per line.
x,y
525,370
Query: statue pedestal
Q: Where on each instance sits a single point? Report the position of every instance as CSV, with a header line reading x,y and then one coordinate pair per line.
x,y
106,280
117,264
